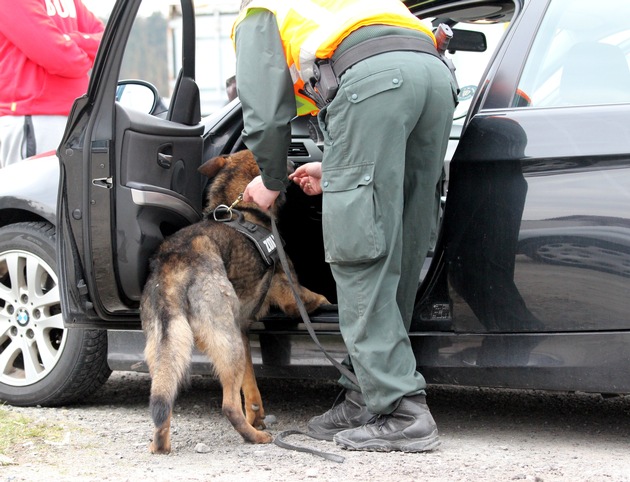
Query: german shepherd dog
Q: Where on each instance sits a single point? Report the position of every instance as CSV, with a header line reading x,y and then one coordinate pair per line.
x,y
207,283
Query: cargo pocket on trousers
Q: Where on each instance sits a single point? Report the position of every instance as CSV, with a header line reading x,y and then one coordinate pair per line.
x,y
373,84
352,230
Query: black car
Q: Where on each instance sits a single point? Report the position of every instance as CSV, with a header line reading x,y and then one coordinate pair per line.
x,y
527,285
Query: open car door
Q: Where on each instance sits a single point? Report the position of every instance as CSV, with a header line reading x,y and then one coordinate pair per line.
x,y
128,179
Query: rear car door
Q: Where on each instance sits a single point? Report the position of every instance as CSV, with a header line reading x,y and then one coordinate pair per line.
x,y
529,285
538,231
128,178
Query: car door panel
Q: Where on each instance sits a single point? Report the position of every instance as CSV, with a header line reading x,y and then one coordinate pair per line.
x,y
128,179
159,190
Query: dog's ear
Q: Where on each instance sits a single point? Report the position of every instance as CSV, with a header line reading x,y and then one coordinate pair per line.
x,y
211,167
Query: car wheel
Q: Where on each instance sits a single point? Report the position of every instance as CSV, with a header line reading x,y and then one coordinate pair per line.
x,y
41,362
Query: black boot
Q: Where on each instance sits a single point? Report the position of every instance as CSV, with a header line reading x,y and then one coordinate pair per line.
x,y
350,413
409,428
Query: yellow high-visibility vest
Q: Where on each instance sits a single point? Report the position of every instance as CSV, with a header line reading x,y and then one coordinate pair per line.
x,y
313,29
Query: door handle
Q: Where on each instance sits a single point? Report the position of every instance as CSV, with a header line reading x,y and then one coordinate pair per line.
x,y
165,160
165,156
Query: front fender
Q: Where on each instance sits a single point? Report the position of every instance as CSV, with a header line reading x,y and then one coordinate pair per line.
x,y
28,189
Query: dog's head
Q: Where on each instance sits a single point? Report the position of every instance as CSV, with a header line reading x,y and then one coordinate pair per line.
x,y
230,176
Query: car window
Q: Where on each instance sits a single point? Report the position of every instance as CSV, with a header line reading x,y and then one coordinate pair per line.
x,y
154,51
146,55
214,58
580,56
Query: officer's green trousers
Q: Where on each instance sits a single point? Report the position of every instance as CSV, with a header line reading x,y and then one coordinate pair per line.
x,y
386,133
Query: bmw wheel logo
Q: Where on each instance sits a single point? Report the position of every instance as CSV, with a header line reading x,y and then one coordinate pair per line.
x,y
22,318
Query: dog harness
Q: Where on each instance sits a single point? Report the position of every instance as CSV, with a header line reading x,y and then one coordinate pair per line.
x,y
262,238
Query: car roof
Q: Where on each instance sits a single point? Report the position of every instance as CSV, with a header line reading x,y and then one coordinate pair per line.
x,y
487,11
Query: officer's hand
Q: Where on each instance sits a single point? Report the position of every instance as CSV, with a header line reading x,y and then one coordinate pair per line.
x,y
309,177
258,193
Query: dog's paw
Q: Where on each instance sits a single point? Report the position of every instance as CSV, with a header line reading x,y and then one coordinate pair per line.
x,y
161,443
263,438
316,302
159,450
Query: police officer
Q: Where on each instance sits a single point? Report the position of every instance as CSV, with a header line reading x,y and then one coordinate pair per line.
x,y
385,131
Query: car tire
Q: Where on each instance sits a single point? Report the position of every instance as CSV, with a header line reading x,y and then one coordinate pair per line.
x,y
41,361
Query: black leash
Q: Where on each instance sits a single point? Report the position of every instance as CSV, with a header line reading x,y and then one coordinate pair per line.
x,y
258,236
279,439
305,318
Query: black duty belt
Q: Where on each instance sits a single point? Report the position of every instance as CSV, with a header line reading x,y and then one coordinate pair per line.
x,y
380,45
327,72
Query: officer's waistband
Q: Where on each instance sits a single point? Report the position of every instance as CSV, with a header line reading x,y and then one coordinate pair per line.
x,y
373,40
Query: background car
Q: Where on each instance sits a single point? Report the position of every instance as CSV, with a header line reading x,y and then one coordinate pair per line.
x,y
527,284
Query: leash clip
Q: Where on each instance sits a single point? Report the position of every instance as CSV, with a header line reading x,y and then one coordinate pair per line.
x,y
223,213
238,200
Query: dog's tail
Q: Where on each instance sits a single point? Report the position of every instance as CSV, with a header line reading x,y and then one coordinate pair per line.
x,y
168,352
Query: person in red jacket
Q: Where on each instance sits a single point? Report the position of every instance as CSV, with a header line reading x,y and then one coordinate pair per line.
x,y
47,48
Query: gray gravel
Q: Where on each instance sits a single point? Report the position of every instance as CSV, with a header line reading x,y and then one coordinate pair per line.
x,y
486,435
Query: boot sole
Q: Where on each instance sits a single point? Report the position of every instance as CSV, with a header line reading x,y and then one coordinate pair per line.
x,y
323,436
425,444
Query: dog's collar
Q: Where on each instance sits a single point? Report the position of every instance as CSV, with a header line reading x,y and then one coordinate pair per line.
x,y
262,238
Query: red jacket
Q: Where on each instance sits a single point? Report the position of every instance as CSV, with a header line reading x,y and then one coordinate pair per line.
x,y
47,48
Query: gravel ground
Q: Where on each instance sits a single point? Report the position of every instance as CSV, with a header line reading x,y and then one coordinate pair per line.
x,y
486,435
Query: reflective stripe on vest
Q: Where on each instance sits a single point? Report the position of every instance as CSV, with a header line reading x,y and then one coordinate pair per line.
x,y
313,29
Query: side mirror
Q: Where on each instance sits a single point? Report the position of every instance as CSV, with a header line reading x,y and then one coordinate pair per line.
x,y
138,95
